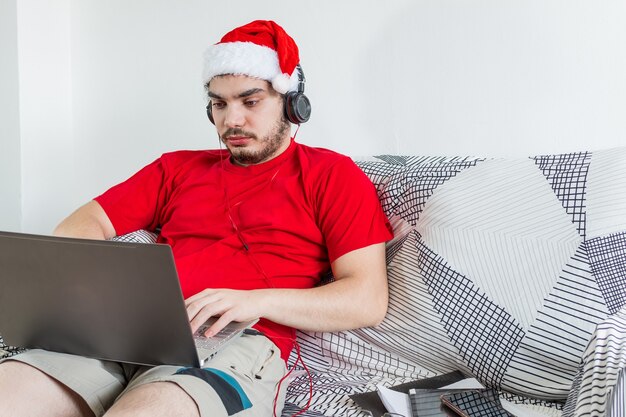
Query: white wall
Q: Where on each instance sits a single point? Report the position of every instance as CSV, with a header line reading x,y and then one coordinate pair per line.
x,y
403,76
45,86
10,181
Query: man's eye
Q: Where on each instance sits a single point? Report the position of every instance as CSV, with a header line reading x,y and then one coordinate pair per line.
x,y
251,103
219,105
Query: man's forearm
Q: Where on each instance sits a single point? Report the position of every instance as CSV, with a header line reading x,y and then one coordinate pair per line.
x,y
340,305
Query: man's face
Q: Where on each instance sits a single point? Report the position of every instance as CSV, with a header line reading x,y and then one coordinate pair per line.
x,y
248,115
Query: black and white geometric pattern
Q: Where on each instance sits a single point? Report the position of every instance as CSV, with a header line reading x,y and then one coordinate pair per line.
x,y
482,331
607,256
567,174
511,270
597,387
6,351
558,338
140,236
410,180
617,403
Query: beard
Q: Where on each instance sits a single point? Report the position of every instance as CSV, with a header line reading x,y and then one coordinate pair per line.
x,y
271,143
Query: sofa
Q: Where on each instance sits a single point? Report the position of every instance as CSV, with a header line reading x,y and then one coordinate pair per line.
x,y
510,270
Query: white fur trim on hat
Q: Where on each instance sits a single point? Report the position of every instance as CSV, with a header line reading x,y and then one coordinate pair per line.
x,y
247,58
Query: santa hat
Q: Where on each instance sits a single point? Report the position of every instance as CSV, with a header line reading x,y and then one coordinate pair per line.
x,y
260,49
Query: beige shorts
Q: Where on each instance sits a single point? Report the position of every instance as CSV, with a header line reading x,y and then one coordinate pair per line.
x,y
241,380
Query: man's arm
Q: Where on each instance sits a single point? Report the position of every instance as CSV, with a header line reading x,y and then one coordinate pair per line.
x,y
89,221
357,298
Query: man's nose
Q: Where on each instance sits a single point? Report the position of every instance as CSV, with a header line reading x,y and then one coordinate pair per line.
x,y
234,117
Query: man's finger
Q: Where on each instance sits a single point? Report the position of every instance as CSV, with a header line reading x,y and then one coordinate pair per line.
x,y
199,295
218,325
195,306
205,313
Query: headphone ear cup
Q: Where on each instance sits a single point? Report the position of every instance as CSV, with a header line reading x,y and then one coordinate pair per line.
x,y
297,107
209,112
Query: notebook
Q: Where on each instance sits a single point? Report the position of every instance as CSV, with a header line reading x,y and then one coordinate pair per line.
x,y
108,300
371,400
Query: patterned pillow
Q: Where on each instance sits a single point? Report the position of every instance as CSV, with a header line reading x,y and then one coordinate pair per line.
x,y
6,351
509,267
520,260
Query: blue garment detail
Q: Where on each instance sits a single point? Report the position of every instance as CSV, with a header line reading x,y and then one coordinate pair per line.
x,y
233,382
225,386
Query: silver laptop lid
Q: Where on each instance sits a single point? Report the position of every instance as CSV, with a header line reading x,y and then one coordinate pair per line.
x,y
108,300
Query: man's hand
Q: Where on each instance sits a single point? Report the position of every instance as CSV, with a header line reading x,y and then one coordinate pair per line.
x,y
230,305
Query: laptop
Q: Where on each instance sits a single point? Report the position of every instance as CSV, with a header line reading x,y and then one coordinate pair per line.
x,y
108,300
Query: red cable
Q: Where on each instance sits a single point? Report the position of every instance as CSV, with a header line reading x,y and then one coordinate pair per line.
x,y
269,284
298,359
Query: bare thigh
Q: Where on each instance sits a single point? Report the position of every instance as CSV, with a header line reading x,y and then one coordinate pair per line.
x,y
26,391
154,400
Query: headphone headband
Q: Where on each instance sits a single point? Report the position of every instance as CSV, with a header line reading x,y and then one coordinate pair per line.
x,y
301,79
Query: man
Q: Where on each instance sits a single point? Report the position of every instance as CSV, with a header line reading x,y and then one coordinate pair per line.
x,y
253,229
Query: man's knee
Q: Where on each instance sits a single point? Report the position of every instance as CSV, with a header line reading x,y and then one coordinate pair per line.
x,y
27,391
14,375
153,400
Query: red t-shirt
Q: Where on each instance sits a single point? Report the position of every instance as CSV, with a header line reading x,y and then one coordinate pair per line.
x,y
296,214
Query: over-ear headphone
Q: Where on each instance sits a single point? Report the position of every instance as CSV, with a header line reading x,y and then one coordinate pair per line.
x,y
209,111
297,107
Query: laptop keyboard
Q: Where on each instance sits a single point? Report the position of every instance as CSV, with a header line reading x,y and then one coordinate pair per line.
x,y
211,342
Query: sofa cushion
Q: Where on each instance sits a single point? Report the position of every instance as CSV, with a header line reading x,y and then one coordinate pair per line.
x,y
6,351
509,267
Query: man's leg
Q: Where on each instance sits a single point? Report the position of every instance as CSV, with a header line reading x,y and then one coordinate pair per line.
x,y
26,391
242,380
50,381
155,399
